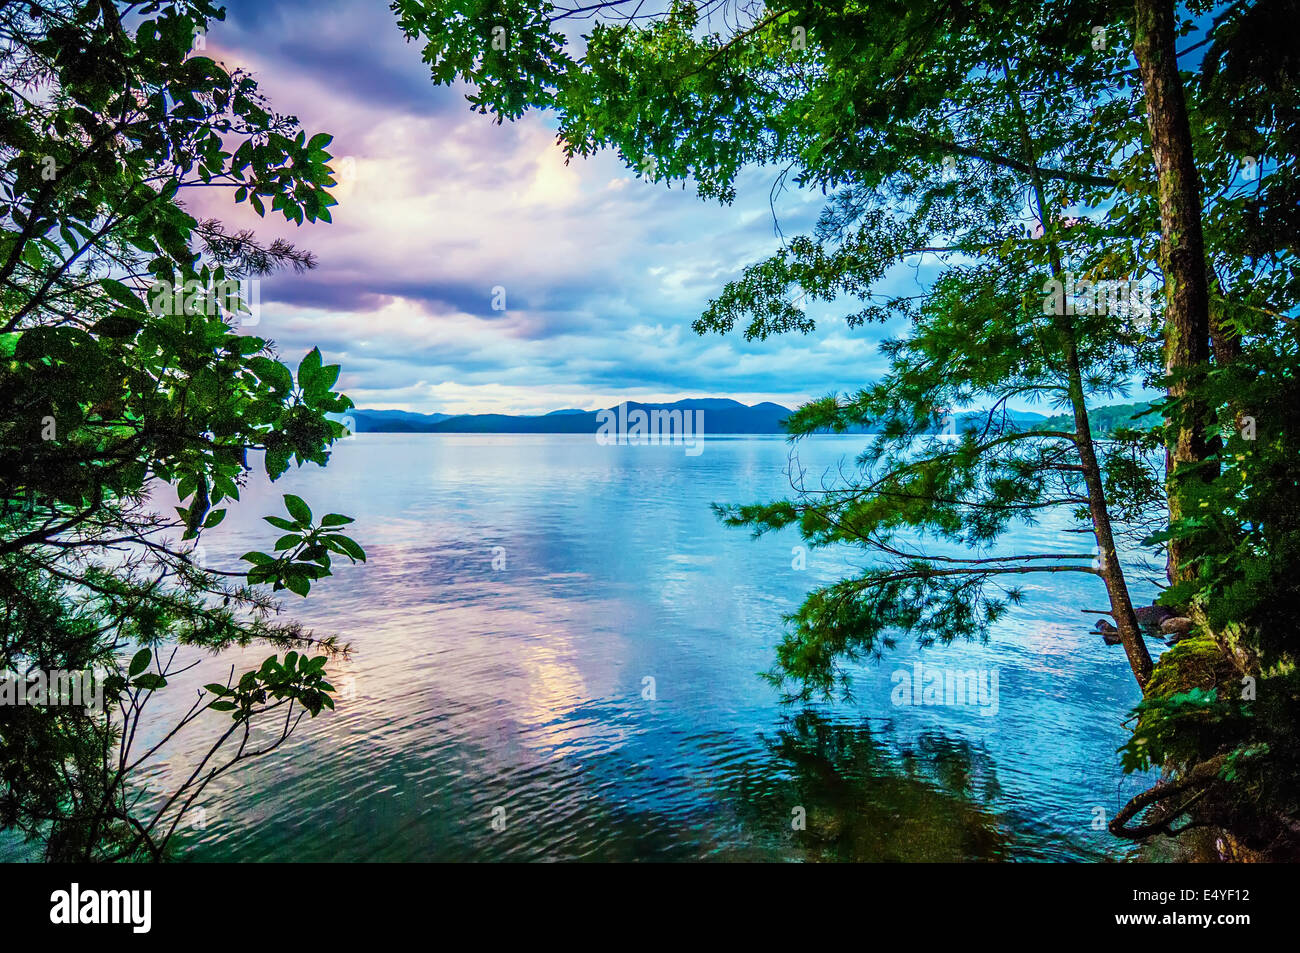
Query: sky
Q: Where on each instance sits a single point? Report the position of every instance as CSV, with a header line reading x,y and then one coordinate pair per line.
x,y
602,272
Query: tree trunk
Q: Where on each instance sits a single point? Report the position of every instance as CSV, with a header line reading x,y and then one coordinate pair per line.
x,y
1182,252
1112,573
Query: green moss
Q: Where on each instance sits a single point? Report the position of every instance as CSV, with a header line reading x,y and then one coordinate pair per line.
x,y
1195,662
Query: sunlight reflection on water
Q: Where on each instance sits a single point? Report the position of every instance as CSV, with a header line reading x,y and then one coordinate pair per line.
x,y
523,688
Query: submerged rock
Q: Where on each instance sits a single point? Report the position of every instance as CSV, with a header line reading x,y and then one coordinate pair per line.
x,y
1153,617
1108,632
1177,628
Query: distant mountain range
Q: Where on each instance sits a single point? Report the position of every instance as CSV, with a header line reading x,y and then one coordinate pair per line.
x,y
721,416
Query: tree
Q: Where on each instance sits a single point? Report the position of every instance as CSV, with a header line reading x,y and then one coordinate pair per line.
x,y
1187,313
1221,712
124,368
943,130
931,124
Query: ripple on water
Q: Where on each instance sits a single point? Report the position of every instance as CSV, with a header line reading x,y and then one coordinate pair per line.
x,y
596,693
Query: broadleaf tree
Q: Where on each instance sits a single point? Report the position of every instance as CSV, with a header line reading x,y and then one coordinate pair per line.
x,y
131,370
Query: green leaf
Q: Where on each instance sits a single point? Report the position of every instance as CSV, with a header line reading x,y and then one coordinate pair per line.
x,y
122,295
277,461
324,380
272,372
298,509
117,325
309,369
349,548
139,662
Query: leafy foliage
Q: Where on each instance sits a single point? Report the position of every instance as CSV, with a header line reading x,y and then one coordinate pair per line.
x,y
126,368
992,148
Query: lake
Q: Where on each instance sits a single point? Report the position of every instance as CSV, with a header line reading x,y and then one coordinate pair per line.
x,y
556,650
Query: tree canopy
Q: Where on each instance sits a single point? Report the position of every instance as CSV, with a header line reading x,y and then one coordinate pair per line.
x,y
1045,164
127,365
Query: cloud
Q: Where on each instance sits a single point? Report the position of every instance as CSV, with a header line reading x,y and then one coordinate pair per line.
x,y
445,216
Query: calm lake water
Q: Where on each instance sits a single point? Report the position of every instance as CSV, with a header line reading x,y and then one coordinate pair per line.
x,y
520,593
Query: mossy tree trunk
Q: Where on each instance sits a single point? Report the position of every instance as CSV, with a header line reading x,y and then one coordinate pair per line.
x,y
1182,254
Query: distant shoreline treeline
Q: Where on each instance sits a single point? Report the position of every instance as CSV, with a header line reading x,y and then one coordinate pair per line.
x,y
722,416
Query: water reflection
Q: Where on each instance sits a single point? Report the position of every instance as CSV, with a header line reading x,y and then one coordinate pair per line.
x,y
866,797
480,693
